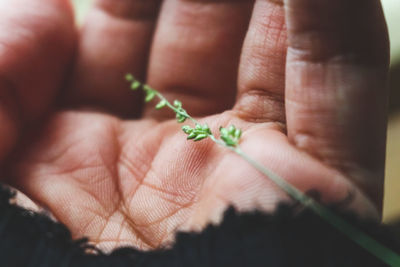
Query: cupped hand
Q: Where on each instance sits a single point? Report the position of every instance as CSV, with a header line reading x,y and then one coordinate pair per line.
x,y
304,79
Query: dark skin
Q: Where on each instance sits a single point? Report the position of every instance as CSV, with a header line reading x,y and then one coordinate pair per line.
x,y
304,79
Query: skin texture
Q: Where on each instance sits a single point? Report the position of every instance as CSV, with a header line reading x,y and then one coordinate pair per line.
x,y
304,79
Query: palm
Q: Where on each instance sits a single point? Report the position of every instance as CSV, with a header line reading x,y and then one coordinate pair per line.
x,y
137,181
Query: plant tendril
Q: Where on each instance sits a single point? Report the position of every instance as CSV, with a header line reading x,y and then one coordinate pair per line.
x,y
229,138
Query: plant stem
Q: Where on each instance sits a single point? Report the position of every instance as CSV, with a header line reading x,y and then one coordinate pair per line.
x,y
185,114
359,237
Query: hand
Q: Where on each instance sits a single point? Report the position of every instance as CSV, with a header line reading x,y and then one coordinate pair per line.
x,y
77,141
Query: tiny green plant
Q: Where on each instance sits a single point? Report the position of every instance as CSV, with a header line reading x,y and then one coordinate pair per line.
x,y
230,138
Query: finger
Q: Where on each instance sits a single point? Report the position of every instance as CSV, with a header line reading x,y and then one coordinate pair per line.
x,y
196,52
36,44
262,67
336,85
114,41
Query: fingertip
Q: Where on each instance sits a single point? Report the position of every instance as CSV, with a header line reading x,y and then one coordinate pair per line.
x,y
352,30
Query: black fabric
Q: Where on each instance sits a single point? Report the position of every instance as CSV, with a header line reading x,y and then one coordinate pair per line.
x,y
287,238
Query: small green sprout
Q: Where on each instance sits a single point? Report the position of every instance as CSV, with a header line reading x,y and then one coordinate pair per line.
x,y
135,84
230,136
198,133
177,104
129,77
150,93
180,118
161,104
181,114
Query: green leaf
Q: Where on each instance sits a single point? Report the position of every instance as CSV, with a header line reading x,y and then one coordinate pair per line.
x,y
206,129
129,77
224,132
187,129
177,104
238,133
201,137
180,118
230,136
162,104
228,141
150,94
232,129
147,88
135,85
192,135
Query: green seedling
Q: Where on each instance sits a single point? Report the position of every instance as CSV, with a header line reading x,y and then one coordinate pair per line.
x,y
230,138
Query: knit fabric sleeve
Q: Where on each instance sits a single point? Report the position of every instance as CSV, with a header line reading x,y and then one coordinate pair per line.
x,y
288,238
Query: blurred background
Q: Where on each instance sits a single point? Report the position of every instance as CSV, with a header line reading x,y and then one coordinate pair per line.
x,y
391,211
392,185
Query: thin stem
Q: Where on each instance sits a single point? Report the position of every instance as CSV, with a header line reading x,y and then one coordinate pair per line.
x,y
219,142
361,238
374,247
185,114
